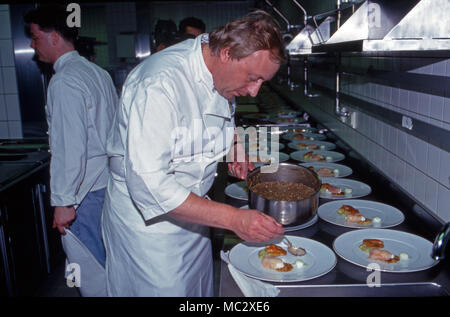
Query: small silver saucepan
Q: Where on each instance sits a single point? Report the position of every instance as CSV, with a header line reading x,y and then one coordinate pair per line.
x,y
290,213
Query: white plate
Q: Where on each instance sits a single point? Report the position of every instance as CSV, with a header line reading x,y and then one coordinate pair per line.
x,y
418,249
343,170
359,189
237,190
335,156
390,216
308,136
327,145
319,260
281,157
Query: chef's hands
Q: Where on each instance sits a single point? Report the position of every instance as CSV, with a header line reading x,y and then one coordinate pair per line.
x,y
240,169
63,217
255,226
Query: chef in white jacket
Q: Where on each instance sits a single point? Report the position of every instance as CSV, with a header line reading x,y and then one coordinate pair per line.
x,y
81,101
175,121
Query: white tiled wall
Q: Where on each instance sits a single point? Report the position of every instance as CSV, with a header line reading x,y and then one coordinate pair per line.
x,y
420,168
10,120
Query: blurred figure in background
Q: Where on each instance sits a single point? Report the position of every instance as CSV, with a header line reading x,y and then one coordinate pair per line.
x,y
165,34
191,25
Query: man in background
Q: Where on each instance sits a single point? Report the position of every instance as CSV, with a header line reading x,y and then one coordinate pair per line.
x,y
81,101
191,25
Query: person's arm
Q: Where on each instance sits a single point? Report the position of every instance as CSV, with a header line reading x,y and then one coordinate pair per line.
x,y
155,190
248,224
68,145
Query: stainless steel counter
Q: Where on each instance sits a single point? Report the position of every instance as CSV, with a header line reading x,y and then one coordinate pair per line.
x,y
13,171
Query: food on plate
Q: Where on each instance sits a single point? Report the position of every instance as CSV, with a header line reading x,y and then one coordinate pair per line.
x,y
376,220
348,191
299,264
311,156
403,256
383,255
273,250
269,259
358,218
325,172
302,146
285,191
375,249
373,243
273,263
329,189
312,169
298,136
346,210
299,130
353,215
287,120
286,268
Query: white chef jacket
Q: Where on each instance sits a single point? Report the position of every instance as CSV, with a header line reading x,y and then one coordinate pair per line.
x,y
81,101
154,169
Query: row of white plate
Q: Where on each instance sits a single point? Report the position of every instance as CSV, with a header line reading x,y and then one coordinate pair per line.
x,y
320,259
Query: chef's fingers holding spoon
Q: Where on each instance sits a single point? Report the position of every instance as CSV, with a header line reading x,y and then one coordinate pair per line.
x,y
253,225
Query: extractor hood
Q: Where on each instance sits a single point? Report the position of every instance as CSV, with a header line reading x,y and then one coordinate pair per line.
x,y
314,35
386,25
301,44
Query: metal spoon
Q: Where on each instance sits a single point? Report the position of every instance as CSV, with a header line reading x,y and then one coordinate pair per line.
x,y
297,251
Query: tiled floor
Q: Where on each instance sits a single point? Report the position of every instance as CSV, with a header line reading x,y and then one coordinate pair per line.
x,y
56,285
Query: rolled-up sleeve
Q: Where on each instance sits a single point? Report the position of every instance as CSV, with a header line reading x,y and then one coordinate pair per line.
x,y
68,142
149,151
